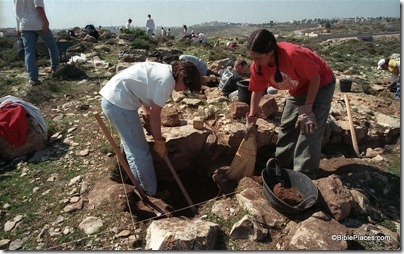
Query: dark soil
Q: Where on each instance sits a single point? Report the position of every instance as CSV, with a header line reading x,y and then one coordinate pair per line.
x,y
291,195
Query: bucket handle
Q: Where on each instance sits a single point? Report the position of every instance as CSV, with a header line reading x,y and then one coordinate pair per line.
x,y
278,171
309,201
277,167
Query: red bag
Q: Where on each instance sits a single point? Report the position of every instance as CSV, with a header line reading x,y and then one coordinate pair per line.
x,y
13,124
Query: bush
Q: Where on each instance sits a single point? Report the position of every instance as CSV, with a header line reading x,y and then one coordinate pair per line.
x,y
141,39
141,44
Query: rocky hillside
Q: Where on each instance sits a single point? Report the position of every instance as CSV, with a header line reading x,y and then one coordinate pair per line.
x,y
71,194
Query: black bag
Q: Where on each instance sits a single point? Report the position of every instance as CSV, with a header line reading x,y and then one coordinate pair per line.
x,y
90,29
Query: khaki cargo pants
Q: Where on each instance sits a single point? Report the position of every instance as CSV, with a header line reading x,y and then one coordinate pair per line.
x,y
300,152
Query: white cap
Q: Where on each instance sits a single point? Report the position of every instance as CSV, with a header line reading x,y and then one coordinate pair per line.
x,y
380,63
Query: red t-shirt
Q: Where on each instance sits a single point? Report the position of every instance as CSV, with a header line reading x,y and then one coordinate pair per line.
x,y
297,65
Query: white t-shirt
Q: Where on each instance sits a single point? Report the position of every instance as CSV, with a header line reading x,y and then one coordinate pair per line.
x,y
142,83
150,23
28,18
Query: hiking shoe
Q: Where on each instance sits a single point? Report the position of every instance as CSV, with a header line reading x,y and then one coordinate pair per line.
x,y
34,82
54,73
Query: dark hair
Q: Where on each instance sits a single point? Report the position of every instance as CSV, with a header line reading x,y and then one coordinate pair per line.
x,y
193,79
263,41
240,62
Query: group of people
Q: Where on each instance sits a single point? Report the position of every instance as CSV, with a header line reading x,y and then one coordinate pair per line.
x,y
148,85
280,65
150,28
197,38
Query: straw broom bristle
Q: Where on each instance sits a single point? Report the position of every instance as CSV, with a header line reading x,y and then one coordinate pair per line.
x,y
243,163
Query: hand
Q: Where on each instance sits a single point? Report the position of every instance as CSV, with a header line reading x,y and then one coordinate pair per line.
x,y
160,147
306,120
251,125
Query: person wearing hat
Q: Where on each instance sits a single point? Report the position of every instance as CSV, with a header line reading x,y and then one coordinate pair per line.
x,y
146,85
392,66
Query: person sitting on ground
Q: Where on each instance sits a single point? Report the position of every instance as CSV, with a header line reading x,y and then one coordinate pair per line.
x,y
203,69
231,44
392,66
202,38
230,77
146,85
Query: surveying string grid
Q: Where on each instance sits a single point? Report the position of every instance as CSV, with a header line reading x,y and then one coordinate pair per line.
x,y
361,237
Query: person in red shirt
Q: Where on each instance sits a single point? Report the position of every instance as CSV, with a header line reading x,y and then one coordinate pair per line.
x,y
310,84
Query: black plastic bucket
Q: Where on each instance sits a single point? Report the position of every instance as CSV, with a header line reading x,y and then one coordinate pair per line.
x,y
288,178
244,95
345,85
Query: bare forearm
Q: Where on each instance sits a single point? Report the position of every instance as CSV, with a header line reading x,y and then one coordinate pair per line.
x,y
313,89
255,100
155,122
42,13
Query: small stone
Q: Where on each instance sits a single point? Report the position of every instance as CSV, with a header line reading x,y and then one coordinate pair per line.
x,y
198,123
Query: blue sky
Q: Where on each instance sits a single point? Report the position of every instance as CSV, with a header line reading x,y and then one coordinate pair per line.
x,y
171,13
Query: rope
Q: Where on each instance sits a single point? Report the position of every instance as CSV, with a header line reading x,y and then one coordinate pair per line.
x,y
142,221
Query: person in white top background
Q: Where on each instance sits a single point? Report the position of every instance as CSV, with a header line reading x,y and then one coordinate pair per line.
x,y
31,24
147,85
129,24
150,25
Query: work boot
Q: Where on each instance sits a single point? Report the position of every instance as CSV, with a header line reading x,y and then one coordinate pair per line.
x,y
35,82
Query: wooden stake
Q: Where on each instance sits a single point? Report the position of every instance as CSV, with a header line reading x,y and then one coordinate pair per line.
x,y
351,125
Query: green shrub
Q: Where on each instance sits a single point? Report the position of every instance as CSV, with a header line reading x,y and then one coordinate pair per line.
x,y
140,44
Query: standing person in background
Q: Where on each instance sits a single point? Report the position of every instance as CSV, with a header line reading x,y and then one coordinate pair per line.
x,y
147,85
185,31
200,64
31,24
310,84
392,66
129,24
163,32
150,26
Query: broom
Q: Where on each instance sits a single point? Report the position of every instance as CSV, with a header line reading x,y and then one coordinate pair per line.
x,y
243,163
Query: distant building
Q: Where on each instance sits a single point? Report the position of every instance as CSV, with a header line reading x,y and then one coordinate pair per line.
x,y
7,32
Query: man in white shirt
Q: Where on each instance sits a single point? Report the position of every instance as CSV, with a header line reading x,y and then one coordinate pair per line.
x,y
31,24
150,26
